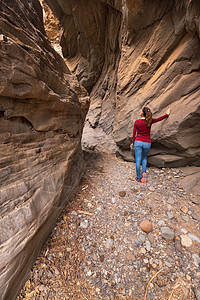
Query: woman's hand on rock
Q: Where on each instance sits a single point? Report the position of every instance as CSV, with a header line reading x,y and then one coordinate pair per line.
x,y
168,111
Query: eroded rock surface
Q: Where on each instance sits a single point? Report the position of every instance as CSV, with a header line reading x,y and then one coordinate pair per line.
x,y
42,111
134,53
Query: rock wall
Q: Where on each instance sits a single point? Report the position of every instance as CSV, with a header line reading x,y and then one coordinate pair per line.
x,y
128,54
42,112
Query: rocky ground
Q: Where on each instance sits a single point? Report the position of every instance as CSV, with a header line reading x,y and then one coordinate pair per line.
x,y
101,248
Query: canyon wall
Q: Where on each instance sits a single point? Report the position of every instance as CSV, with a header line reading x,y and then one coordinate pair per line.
x,y
42,112
132,53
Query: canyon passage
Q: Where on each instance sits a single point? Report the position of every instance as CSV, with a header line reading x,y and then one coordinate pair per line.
x,y
117,56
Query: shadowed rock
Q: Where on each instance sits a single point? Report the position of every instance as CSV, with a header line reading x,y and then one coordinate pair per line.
x,y
42,111
134,53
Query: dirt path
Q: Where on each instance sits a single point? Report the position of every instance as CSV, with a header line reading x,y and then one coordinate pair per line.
x,y
98,250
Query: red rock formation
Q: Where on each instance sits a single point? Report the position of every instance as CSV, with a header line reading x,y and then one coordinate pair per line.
x,y
134,53
42,111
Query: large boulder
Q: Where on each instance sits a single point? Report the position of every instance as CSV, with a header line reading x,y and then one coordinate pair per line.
x,y
134,53
42,112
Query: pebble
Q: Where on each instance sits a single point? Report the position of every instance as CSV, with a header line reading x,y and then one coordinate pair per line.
x,y
152,189
146,226
113,200
193,237
148,246
109,243
84,224
195,199
170,200
185,240
142,238
178,245
151,237
122,193
184,209
74,213
196,260
161,222
196,216
184,231
143,250
167,233
170,215
89,273
185,218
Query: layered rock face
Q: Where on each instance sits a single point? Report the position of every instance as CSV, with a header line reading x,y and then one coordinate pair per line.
x,y
42,111
129,54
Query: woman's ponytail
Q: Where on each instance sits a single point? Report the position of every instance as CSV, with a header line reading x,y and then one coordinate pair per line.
x,y
148,116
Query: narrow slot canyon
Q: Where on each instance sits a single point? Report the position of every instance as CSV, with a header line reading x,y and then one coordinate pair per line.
x,y
74,221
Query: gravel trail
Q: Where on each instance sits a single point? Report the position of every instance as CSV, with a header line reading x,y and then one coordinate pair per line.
x,y
99,251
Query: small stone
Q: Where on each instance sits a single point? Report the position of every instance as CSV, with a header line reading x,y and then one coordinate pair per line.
x,y
101,257
146,226
170,200
170,215
184,230
178,245
99,208
185,218
122,193
68,249
184,209
185,241
142,238
57,272
113,200
89,273
167,233
74,213
84,224
168,264
193,237
143,250
195,199
154,266
152,189
188,277
146,261
196,216
151,237
109,243
148,246
161,223
196,260
97,290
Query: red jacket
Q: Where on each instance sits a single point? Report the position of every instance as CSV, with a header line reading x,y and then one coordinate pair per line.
x,y
143,131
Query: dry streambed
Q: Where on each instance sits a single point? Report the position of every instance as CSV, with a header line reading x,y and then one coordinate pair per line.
x,y
101,248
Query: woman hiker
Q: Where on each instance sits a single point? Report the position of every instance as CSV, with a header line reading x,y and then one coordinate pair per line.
x,y
142,139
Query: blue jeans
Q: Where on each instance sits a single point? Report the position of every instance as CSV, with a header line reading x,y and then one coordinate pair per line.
x,y
141,152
